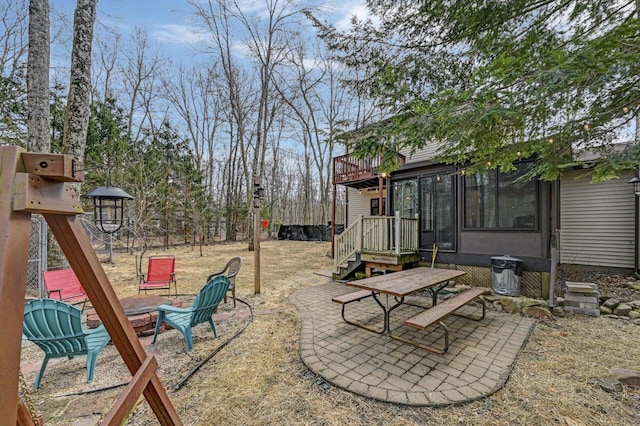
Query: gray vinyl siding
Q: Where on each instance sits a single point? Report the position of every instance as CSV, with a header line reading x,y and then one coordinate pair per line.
x,y
423,154
596,221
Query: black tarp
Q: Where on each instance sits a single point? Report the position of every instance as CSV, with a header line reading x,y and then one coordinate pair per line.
x,y
307,232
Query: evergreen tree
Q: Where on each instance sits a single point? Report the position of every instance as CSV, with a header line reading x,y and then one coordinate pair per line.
x,y
495,81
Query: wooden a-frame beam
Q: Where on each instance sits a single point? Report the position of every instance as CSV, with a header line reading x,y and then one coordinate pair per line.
x,y
20,194
15,228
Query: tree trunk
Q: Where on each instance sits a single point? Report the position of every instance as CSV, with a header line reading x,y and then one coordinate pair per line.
x,y
76,121
38,77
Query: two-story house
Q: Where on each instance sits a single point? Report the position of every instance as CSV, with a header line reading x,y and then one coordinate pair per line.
x,y
468,218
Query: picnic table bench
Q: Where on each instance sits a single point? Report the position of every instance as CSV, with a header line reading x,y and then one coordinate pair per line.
x,y
356,296
65,286
442,310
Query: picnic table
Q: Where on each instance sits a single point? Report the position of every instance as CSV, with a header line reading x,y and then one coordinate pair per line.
x,y
397,286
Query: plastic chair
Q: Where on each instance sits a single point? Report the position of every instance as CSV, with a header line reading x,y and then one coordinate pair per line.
x,y
160,274
230,271
183,319
56,328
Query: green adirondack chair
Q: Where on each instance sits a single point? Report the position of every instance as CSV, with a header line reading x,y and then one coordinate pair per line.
x,y
182,319
56,328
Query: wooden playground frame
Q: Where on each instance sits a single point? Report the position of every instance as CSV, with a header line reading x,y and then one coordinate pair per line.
x,y
41,183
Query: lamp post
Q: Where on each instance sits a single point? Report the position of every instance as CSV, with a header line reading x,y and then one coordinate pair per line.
x,y
258,196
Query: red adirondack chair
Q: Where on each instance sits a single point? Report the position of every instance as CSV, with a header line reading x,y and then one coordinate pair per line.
x,y
160,274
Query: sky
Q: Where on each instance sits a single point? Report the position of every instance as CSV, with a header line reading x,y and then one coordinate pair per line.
x,y
169,23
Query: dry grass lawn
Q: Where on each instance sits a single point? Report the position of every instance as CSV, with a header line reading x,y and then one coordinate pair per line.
x,y
258,378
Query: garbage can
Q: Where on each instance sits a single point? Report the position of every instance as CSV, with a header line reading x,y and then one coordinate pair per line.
x,y
506,273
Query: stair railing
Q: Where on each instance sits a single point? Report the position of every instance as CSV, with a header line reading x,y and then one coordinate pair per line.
x,y
348,243
377,234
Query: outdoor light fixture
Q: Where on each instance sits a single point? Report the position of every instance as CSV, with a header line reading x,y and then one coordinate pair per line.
x,y
636,185
108,206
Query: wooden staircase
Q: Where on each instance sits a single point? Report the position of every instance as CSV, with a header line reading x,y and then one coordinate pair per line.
x,y
348,269
382,242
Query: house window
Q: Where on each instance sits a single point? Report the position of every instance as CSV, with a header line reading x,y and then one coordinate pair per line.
x,y
375,206
496,200
405,198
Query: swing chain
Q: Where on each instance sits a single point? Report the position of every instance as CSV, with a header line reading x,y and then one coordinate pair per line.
x,y
24,389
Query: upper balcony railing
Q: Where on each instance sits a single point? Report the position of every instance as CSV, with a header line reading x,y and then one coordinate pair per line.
x,y
347,168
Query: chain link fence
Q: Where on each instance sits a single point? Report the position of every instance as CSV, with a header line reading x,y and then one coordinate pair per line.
x,y
37,262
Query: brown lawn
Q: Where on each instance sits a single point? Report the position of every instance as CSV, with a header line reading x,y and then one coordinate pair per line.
x,y
258,378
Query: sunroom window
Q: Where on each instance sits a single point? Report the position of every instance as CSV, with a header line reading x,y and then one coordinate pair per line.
x,y
498,201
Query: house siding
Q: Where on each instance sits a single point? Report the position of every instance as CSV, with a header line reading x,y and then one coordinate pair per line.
x,y
423,154
597,221
359,204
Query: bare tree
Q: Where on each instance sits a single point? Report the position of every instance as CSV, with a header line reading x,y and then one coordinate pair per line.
x,y
319,103
13,36
193,94
13,49
106,56
140,73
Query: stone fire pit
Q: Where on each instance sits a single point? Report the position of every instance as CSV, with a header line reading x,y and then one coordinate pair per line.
x,y
142,311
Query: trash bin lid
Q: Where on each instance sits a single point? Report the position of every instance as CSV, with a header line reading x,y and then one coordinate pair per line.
x,y
507,258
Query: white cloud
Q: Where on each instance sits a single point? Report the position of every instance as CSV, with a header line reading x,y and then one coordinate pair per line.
x,y
344,13
180,34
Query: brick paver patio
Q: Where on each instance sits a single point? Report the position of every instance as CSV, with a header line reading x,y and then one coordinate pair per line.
x,y
480,357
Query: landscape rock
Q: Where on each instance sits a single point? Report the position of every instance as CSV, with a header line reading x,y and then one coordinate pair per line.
x,y
605,311
607,384
633,285
511,306
622,309
536,312
560,301
635,304
611,303
636,321
634,314
626,376
531,302
558,311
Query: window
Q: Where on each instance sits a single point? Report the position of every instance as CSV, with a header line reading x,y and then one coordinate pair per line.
x,y
405,198
495,200
374,209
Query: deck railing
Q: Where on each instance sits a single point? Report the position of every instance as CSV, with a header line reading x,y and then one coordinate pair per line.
x,y
377,234
349,168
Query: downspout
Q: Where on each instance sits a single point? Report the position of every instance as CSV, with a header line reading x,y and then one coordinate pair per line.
x,y
636,198
637,224
555,243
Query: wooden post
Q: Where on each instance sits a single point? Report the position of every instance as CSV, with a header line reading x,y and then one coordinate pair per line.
x,y
398,232
380,196
14,255
256,235
333,216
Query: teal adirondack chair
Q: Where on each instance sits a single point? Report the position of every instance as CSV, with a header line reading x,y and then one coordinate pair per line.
x,y
182,319
56,328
